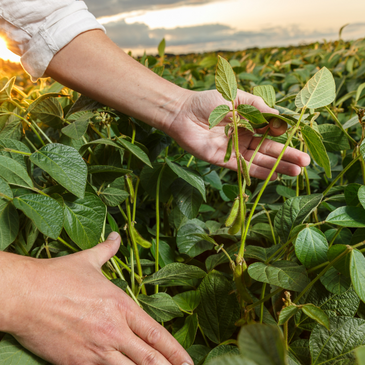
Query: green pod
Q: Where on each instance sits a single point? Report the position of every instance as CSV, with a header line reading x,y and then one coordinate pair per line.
x,y
227,128
236,226
233,213
130,188
228,155
245,171
139,239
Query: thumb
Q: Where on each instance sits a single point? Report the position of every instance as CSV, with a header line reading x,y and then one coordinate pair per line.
x,y
106,250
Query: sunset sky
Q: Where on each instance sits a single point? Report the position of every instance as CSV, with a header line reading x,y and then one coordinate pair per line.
x,y
209,25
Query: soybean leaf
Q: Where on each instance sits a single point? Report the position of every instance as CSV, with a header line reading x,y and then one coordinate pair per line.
x,y
198,353
267,93
217,115
185,336
174,274
5,190
311,247
293,213
135,150
335,282
161,47
189,176
334,139
14,173
357,272
318,92
260,253
225,80
84,219
15,145
360,353
347,217
44,211
188,300
187,198
113,197
361,195
252,114
337,345
263,344
5,92
160,307
317,149
317,314
300,350
84,103
65,165
49,111
103,141
224,352
11,352
167,253
76,129
352,194
285,274
287,120
285,191
231,360
9,224
343,264
218,310
286,313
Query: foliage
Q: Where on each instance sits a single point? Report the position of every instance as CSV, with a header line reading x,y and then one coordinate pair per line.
x,y
278,265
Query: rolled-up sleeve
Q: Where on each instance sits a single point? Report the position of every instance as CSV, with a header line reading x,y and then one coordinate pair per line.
x,y
36,29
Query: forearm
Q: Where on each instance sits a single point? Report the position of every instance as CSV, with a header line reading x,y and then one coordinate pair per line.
x,y
95,66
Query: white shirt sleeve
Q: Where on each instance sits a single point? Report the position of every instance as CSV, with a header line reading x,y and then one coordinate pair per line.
x,y
37,29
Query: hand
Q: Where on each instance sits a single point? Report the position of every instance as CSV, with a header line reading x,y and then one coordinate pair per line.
x,y
68,313
191,131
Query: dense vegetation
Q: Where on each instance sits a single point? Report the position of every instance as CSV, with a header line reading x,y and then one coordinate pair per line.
x,y
209,253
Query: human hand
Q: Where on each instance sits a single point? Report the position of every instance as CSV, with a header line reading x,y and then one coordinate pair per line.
x,y
191,131
65,311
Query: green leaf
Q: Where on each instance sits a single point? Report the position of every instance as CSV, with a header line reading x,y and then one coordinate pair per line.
x,y
347,217
224,352
317,314
263,344
161,48
285,274
252,114
286,313
229,149
289,121
335,282
185,336
5,190
225,80
189,242
231,360
174,274
160,307
14,173
76,129
343,264
5,92
102,141
359,91
285,191
15,145
44,211
135,150
12,353
352,194
84,219
337,345
198,352
361,195
9,224
187,198
49,111
360,352
167,253
334,139
188,300
113,197
293,213
189,176
65,165
218,310
357,272
318,92
217,115
311,247
267,93
317,149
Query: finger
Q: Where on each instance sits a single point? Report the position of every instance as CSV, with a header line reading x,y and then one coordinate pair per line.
x,y
158,337
277,127
117,358
103,252
141,353
272,148
284,167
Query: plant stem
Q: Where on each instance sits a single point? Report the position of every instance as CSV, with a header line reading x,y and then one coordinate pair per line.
x,y
190,161
307,183
67,244
271,226
262,304
263,300
340,175
335,236
18,152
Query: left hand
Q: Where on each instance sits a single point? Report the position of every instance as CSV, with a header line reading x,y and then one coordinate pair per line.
x,y
191,131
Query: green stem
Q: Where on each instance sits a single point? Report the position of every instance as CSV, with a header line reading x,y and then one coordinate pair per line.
x,y
307,183
271,225
190,161
263,300
67,244
339,175
18,152
335,236
262,304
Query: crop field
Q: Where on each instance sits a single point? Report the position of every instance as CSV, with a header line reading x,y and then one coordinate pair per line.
x,y
239,270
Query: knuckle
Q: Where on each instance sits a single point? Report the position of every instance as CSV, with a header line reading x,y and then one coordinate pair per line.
x,y
174,354
153,335
150,359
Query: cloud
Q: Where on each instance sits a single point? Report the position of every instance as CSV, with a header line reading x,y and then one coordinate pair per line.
x,y
112,7
210,37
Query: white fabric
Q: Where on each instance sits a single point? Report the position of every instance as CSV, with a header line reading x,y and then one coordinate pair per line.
x,y
37,29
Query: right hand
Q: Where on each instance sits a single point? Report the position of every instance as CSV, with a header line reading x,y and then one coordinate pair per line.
x,y
65,311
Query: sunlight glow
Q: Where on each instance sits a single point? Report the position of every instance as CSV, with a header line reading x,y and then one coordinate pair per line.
x,y
7,55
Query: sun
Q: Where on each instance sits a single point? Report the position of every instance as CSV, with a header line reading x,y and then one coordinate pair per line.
x,y
7,55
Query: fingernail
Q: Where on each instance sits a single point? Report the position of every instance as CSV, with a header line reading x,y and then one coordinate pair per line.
x,y
113,236
276,123
186,363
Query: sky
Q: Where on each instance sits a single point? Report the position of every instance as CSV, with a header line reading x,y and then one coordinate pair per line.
x,y
210,25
